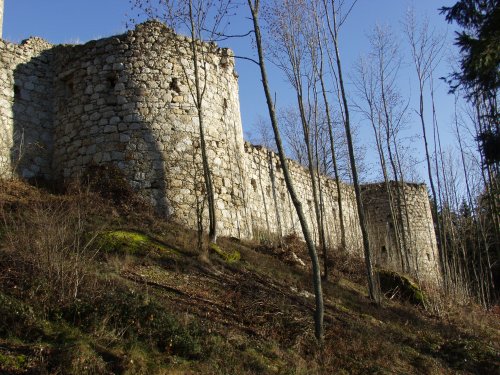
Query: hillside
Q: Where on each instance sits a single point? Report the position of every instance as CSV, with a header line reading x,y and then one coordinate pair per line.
x,y
95,283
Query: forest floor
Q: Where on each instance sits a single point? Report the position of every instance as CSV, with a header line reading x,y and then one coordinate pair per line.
x,y
92,286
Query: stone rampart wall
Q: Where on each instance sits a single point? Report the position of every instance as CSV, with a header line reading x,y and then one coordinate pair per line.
x,y
129,100
26,114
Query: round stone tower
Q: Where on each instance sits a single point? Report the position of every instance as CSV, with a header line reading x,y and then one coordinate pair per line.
x,y
128,100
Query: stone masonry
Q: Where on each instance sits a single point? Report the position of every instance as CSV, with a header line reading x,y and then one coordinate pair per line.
x,y
128,100
1,18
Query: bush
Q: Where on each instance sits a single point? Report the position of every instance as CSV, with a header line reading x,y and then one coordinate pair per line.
x,y
132,317
17,319
48,253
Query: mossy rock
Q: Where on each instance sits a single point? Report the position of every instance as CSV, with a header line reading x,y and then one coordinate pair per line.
x,y
131,243
228,256
401,287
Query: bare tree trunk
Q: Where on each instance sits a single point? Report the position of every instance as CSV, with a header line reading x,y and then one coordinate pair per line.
x,y
319,312
207,175
424,52
332,150
361,214
397,216
312,174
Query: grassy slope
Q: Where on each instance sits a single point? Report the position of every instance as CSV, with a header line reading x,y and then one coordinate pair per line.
x,y
149,303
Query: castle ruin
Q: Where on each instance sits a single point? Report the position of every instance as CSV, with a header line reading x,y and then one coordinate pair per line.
x,y
126,100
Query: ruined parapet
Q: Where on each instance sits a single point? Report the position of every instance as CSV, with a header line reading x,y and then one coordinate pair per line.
x,y
418,252
26,110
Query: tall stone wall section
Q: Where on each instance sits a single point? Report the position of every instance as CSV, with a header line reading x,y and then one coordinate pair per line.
x,y
26,111
129,101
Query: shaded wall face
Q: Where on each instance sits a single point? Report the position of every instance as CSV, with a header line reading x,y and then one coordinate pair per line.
x,y
271,211
129,100
26,115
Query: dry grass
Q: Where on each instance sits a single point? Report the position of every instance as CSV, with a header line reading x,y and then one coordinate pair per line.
x,y
161,310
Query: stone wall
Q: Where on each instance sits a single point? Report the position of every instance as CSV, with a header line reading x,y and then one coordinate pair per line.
x,y
271,210
129,100
26,111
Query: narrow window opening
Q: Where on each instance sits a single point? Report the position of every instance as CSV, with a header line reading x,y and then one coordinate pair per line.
x,y
17,92
67,88
254,184
174,85
112,81
70,88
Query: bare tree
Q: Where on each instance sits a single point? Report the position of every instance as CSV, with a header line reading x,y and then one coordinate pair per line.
x,y
320,72
332,9
254,6
392,111
293,46
425,49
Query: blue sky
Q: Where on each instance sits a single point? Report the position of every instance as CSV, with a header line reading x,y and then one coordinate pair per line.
x,y
72,21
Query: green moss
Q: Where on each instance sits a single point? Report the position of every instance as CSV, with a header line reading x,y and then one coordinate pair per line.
x,y
12,361
132,243
395,284
228,256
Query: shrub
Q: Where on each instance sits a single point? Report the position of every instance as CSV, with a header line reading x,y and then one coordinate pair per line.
x,y
110,182
17,319
131,316
48,253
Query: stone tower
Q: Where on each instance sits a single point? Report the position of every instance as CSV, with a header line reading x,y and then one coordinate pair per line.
x,y
1,18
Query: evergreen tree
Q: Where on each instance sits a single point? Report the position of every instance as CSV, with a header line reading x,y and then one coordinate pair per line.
x,y
479,74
